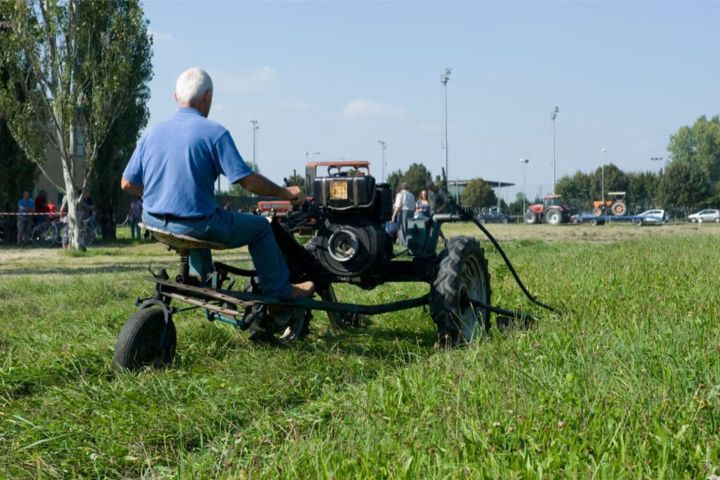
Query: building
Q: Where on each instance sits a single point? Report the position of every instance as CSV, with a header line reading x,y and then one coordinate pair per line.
x,y
457,187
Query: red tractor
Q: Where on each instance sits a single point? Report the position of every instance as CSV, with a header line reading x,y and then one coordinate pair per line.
x,y
552,211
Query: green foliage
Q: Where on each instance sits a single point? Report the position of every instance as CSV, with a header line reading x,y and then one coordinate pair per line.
x,y
685,184
642,190
478,194
516,206
576,188
695,153
417,177
394,179
18,173
117,148
77,61
296,180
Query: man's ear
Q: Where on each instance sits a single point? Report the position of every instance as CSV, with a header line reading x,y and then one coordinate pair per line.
x,y
208,96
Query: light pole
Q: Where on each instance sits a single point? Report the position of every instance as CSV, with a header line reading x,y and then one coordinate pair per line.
x,y
553,116
524,162
307,156
444,78
255,128
656,159
602,181
383,146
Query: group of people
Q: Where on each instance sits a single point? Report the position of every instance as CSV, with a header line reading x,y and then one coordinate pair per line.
x,y
32,213
429,202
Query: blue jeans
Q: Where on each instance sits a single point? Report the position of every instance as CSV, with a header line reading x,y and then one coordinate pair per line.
x,y
234,230
134,228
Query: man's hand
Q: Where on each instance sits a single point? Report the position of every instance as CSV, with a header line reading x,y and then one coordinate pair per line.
x,y
295,195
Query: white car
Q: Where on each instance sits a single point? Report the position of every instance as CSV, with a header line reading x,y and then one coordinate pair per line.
x,y
707,215
652,217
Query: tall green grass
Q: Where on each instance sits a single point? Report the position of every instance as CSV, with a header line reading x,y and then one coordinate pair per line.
x,y
626,384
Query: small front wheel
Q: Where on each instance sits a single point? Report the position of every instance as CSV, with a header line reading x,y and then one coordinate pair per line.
x,y
146,340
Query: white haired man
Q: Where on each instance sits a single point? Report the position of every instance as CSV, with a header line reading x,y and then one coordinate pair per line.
x,y
174,168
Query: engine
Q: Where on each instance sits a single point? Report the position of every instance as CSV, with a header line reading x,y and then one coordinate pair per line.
x,y
351,240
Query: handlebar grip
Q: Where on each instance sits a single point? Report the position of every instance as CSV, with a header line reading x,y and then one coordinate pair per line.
x,y
446,217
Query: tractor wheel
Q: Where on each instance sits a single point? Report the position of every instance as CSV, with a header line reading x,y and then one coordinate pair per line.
x,y
146,340
597,211
462,276
553,216
531,218
619,208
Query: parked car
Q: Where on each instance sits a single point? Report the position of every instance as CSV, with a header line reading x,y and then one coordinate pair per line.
x,y
707,215
652,217
492,215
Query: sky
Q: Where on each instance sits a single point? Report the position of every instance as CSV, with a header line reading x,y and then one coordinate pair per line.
x,y
336,77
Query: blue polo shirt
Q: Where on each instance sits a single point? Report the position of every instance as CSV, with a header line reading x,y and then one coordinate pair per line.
x,y
25,205
178,161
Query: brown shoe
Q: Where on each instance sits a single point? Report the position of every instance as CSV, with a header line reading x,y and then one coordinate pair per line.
x,y
299,290
303,290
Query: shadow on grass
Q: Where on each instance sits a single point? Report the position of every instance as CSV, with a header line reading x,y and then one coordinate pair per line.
x,y
85,270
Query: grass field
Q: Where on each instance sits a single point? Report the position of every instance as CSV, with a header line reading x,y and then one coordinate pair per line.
x,y
626,384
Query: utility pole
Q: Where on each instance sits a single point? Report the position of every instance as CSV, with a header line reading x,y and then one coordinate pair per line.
x,y
602,181
383,146
553,116
255,128
524,162
444,79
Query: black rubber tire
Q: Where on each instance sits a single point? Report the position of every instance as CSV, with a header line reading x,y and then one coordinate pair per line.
x,y
141,342
531,218
553,216
462,267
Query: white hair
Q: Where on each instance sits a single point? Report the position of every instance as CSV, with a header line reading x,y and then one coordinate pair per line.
x,y
192,84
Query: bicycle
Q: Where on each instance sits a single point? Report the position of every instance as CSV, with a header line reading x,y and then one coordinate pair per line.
x,y
47,234
89,231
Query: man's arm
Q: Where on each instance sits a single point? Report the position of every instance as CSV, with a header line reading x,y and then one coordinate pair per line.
x,y
259,185
130,187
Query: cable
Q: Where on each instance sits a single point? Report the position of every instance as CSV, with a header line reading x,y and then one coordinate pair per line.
x,y
510,266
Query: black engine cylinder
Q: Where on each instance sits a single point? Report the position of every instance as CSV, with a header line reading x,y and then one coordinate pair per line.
x,y
353,247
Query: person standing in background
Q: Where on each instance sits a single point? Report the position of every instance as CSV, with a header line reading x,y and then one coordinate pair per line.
x,y
134,216
26,206
403,209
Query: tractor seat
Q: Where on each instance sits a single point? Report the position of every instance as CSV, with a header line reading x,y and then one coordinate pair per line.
x,y
182,243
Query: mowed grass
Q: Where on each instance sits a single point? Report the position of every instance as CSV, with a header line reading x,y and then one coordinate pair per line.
x,y
626,384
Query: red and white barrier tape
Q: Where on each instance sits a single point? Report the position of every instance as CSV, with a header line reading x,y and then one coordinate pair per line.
x,y
16,214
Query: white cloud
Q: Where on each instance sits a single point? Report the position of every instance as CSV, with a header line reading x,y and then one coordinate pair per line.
x,y
160,37
242,80
363,108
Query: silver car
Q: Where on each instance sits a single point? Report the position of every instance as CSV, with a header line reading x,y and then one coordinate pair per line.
x,y
707,215
652,217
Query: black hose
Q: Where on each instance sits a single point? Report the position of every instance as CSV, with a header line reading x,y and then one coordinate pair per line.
x,y
510,266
